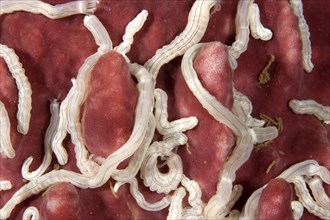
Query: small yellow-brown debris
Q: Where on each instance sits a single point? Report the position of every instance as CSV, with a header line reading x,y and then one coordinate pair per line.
x,y
44,193
188,148
264,76
271,165
56,166
278,121
263,144
281,152
129,208
279,124
113,191
267,119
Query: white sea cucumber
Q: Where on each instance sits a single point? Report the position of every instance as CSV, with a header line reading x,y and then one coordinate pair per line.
x,y
50,133
198,19
23,86
50,11
311,107
6,147
297,6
